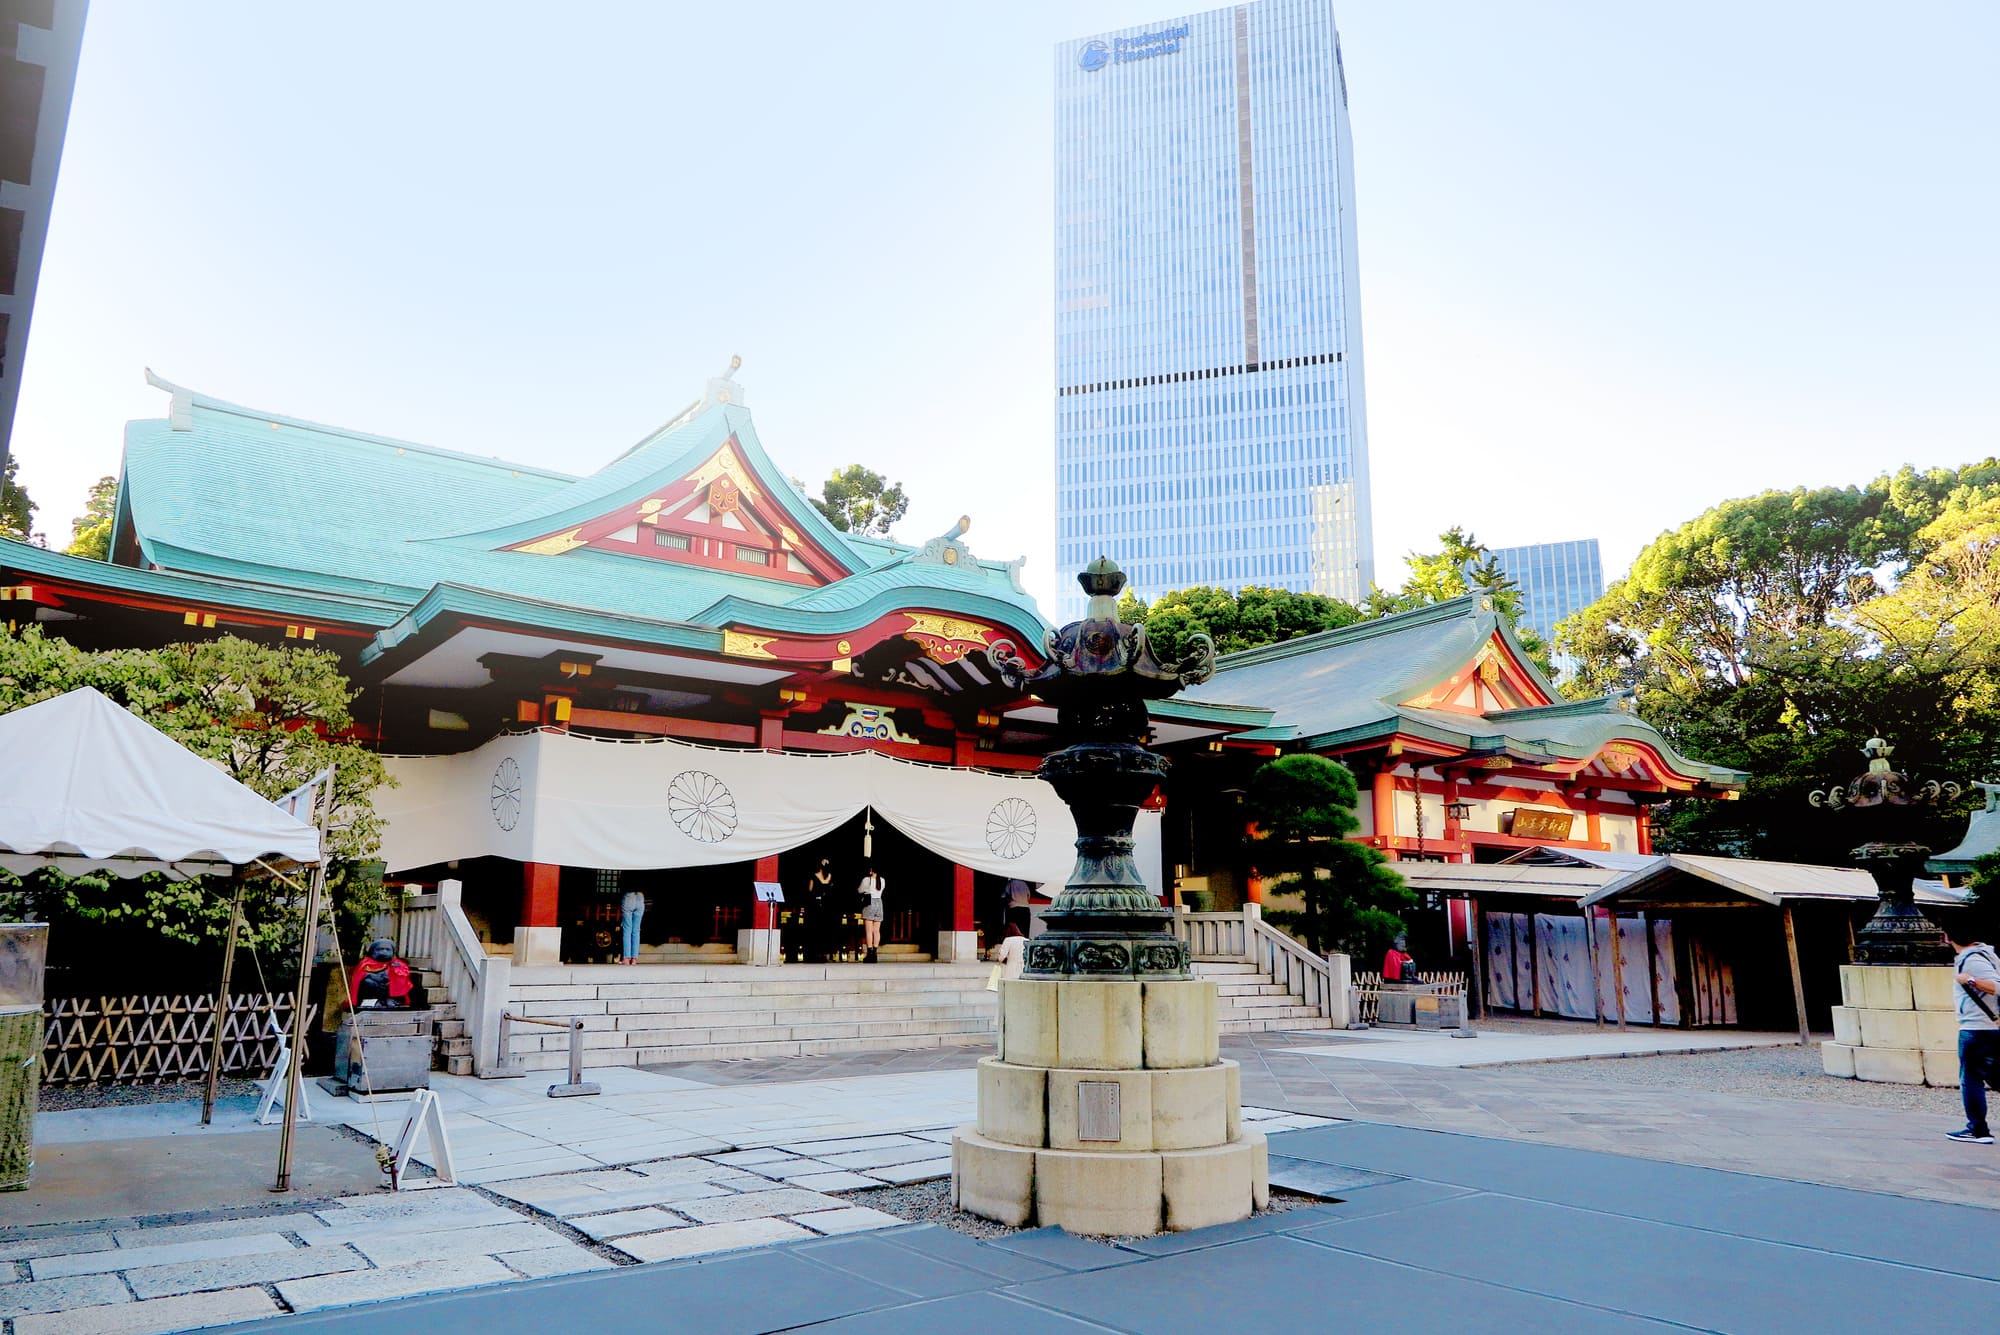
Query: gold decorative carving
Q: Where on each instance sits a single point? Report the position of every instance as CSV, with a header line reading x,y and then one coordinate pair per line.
x,y
723,495
947,628
725,463
869,724
738,645
555,544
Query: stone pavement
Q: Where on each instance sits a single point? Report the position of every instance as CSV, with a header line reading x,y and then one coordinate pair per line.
x,y
569,1186
1430,1232
1515,1046
1832,1143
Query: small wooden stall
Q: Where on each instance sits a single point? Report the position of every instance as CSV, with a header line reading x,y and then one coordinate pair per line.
x,y
1524,928
1766,937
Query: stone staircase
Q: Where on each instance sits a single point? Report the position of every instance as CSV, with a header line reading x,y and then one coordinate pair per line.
x,y
639,1016
1248,1001
454,1046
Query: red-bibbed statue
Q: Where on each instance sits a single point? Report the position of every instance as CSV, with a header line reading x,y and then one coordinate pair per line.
x,y
381,979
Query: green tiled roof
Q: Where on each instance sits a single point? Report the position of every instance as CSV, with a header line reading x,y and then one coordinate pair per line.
x,y
1347,685
273,503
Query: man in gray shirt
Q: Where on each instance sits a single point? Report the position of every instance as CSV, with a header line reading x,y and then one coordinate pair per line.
x,y
1978,971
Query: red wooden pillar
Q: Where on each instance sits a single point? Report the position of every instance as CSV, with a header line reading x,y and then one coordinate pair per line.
x,y
1385,807
1646,830
961,899
764,916
771,731
539,883
538,940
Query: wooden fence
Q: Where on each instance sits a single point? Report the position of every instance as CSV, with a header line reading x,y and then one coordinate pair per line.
x,y
147,1040
1368,991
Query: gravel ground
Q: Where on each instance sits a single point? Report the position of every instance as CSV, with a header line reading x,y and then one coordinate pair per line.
x,y
930,1203
1767,1073
64,1098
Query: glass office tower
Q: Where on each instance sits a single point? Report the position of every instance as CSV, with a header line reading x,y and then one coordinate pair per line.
x,y
1210,426
1555,579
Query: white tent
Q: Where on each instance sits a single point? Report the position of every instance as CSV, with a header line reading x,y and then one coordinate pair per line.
x,y
86,785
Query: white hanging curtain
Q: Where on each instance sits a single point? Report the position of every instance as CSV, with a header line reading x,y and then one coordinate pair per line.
x,y
574,801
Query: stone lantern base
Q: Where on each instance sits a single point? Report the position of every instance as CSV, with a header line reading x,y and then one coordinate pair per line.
x,y
1108,1111
1897,1024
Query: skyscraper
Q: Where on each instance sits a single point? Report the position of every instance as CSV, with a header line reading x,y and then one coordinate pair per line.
x,y
1210,425
1555,579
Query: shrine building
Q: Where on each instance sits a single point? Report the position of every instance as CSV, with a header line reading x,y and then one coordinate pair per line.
x,y
674,675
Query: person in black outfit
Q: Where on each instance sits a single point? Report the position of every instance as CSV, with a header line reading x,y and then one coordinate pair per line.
x,y
821,912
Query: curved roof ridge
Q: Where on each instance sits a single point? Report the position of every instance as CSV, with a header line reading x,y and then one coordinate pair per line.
x,y
197,399
1612,703
1355,632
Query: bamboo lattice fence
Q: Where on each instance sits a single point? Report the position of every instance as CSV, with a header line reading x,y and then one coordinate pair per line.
x,y
147,1040
1368,991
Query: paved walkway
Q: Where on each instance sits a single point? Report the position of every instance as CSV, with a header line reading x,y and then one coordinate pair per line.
x,y
1519,1046
1432,1233
1826,1142
701,1159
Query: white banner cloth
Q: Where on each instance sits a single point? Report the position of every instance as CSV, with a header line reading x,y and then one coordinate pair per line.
x,y
576,802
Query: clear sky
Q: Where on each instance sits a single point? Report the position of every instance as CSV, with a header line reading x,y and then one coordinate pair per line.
x,y
1617,261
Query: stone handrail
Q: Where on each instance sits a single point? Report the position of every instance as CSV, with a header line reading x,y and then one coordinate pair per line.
x,y
435,929
1214,936
1318,982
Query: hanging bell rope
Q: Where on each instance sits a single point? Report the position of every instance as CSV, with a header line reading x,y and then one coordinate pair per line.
x,y
868,833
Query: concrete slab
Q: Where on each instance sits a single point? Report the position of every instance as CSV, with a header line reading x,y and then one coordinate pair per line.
x,y
429,1276
1637,1266
705,1239
1421,1048
1280,1283
154,1317
183,1174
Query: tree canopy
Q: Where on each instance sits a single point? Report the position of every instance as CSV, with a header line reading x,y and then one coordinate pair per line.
x,y
1302,810
1775,633
860,500
1241,620
17,512
90,532
272,718
1257,615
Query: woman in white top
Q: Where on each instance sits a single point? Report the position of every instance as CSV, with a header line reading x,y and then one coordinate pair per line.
x,y
870,891
1012,952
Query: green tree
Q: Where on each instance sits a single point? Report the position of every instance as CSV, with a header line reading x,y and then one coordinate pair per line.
x,y
271,718
17,512
1303,809
1776,633
90,532
1245,620
1461,565
859,500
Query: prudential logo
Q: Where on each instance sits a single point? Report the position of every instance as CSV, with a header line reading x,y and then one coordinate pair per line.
x,y
1094,57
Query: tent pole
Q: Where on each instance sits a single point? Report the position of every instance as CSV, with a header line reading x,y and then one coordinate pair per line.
x,y
295,1071
214,1080
1798,979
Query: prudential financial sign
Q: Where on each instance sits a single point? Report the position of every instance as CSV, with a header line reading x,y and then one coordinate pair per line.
x,y
1095,55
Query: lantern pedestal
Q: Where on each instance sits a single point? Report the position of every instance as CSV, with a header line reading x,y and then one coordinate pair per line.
x,y
1897,1024
1109,1112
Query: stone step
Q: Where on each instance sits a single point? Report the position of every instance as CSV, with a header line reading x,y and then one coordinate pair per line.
x,y
611,1041
603,975
694,1052
458,1065
1277,1012
861,990
787,1004
1264,989
1269,1026
1216,968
